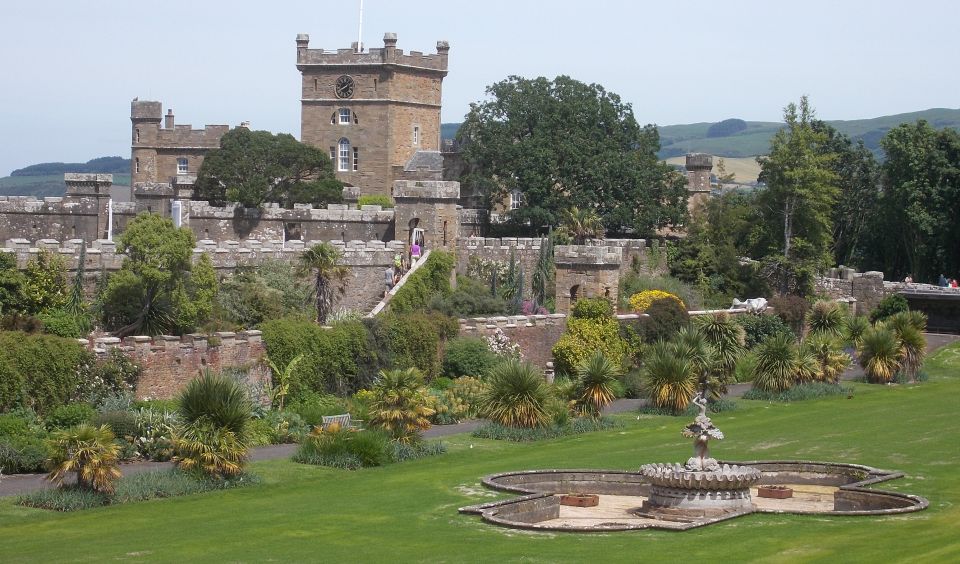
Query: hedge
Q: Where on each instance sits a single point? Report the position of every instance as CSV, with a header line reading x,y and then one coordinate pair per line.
x,y
39,371
429,281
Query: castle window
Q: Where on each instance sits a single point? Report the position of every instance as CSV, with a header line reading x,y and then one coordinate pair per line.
x,y
344,116
138,135
416,135
516,199
136,165
333,153
356,158
343,162
183,165
356,120
316,84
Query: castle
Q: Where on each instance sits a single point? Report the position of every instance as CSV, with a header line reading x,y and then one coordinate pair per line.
x,y
377,112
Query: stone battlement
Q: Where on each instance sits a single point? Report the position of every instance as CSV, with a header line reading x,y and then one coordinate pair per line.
x,y
332,212
388,55
426,189
588,255
103,255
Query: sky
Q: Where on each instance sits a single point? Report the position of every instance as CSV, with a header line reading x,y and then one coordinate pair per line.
x,y
69,69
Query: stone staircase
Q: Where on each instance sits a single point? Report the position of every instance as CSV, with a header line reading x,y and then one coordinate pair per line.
x,y
403,280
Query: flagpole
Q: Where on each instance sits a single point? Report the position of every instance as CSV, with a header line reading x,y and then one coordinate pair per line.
x,y
360,30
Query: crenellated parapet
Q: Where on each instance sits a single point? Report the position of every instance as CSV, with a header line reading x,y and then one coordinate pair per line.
x,y
388,55
588,255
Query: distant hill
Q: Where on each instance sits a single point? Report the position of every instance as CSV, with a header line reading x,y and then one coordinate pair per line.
x,y
448,130
41,186
108,165
677,140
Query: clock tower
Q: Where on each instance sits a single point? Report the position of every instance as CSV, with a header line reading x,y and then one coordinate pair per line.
x,y
371,110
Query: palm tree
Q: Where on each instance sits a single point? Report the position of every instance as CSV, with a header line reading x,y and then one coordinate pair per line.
x,y
400,404
89,452
323,261
517,396
211,449
597,376
777,363
831,361
582,224
727,338
669,378
879,354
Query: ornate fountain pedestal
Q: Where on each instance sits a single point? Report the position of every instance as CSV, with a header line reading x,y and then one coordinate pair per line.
x,y
701,485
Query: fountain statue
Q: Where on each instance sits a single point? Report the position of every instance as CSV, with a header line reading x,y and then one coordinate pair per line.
x,y
702,485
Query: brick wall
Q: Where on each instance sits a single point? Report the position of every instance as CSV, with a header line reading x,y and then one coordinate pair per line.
x,y
170,362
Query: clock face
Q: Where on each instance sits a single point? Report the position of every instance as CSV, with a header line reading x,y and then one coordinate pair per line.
x,y
344,87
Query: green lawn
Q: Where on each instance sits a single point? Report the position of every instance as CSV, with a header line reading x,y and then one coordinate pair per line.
x,y
408,512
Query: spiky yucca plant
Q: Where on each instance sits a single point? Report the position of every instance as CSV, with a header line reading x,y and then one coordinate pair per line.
x,y
806,369
89,452
726,337
597,377
692,345
211,449
826,318
517,396
669,379
217,399
913,347
854,327
831,360
401,405
879,354
777,359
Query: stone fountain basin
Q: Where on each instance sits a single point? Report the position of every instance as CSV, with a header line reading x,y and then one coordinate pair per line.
x,y
727,477
538,505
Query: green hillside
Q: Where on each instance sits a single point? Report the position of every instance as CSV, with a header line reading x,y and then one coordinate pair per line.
x,y
678,140
44,185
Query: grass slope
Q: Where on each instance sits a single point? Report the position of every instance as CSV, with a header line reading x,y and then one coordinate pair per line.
x,y
408,512
678,140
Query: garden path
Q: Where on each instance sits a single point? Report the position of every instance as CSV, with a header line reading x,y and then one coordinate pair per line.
x,y
23,483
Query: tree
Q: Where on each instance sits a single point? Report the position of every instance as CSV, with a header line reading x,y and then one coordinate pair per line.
x,y
154,292
800,195
581,225
400,405
45,287
916,229
323,261
12,282
255,167
88,451
563,143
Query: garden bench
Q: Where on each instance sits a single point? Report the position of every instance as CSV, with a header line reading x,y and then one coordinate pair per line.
x,y
344,421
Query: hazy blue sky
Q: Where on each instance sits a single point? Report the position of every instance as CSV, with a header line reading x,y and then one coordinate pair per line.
x,y
68,70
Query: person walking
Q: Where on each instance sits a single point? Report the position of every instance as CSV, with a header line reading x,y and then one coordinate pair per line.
x,y
388,278
414,253
942,282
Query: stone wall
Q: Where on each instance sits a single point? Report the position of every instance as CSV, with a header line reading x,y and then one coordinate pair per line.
x,y
585,271
866,288
536,334
170,362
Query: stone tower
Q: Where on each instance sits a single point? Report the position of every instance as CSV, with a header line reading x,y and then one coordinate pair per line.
x,y
371,110
699,166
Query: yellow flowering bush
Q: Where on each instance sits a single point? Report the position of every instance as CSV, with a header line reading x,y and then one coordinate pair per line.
x,y
640,301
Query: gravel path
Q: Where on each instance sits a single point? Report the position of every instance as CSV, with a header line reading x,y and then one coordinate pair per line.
x,y
22,483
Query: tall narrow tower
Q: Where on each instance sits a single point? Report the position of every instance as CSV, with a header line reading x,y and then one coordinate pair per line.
x,y
370,110
699,166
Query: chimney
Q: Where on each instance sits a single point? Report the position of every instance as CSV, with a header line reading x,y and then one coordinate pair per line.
x,y
389,47
168,120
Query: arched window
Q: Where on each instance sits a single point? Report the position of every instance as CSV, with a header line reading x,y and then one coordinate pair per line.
x,y
343,154
344,114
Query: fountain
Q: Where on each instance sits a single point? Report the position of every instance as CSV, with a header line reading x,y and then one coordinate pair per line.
x,y
702,486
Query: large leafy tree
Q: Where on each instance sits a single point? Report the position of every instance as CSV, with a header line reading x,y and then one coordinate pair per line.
x,y
157,289
916,229
257,167
563,143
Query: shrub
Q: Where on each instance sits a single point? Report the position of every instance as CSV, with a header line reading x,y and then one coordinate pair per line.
x,y
471,298
344,448
516,397
592,308
441,383
519,434
777,362
634,283
65,324
583,337
596,382
209,449
468,356
215,399
67,416
632,384
879,354
400,405
800,392
431,279
382,200
69,498
115,374
826,318
830,360
40,371
466,392
888,306
90,453
341,359
642,301
727,339
123,424
670,378
155,433
758,328
666,317
312,407
400,452
255,294
791,309
854,328
412,340
23,444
